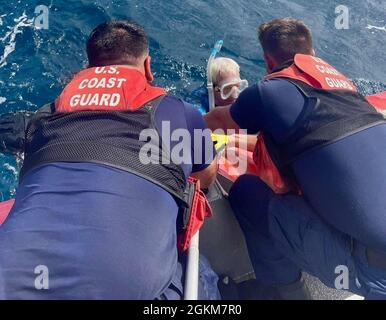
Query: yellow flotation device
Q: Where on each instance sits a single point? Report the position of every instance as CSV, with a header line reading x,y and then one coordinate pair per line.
x,y
220,141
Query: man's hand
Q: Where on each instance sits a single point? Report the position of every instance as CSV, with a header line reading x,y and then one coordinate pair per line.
x,y
207,176
240,140
12,132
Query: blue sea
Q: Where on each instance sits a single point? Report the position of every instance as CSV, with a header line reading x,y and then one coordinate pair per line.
x,y
35,64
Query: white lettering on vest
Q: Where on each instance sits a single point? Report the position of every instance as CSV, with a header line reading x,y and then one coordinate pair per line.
x,y
105,100
338,83
92,83
112,70
94,100
104,70
100,70
89,100
121,82
327,70
102,83
111,83
74,101
115,100
85,100
83,84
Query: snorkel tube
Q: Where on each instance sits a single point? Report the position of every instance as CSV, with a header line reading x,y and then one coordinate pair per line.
x,y
215,51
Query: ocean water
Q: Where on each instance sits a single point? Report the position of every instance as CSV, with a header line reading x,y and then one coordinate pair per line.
x,y
35,64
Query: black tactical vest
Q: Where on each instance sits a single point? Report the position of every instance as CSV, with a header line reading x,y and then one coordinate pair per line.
x,y
108,138
328,117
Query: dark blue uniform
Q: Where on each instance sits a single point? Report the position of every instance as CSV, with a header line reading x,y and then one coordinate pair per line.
x,y
102,233
341,214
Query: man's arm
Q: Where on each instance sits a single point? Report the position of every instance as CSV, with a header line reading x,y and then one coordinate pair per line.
x,y
204,166
243,114
220,118
239,141
13,128
12,132
207,176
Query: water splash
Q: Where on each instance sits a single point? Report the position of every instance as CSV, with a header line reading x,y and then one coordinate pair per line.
x,y
9,177
1,19
10,37
2,100
370,27
367,87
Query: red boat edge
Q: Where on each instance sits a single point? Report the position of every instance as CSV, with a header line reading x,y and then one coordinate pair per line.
x,y
5,208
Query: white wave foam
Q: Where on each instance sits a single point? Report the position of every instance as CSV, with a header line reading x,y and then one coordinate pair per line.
x,y
10,36
11,168
2,100
1,19
370,27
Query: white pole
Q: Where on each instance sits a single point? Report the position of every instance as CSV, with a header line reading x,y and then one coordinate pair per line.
x,y
192,269
193,260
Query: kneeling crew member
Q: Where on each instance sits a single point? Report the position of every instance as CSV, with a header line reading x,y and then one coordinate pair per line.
x,y
331,142
99,218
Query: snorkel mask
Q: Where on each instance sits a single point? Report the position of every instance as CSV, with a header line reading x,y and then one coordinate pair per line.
x,y
232,88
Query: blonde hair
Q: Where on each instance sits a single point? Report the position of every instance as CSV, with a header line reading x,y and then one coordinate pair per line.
x,y
221,67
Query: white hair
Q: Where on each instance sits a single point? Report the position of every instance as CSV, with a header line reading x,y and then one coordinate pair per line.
x,y
221,67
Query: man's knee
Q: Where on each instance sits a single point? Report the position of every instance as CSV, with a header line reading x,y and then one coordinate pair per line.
x,y
291,213
289,217
250,198
300,235
250,192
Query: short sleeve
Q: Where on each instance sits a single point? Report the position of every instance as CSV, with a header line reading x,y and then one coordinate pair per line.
x,y
245,111
203,152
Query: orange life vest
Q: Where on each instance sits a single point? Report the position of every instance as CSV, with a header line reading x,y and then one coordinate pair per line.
x,y
316,73
378,101
107,89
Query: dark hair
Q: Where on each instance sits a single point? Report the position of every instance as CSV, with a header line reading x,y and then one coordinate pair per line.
x,y
116,42
283,38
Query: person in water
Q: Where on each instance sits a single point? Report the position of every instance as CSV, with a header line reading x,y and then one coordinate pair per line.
x,y
227,84
325,137
89,212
